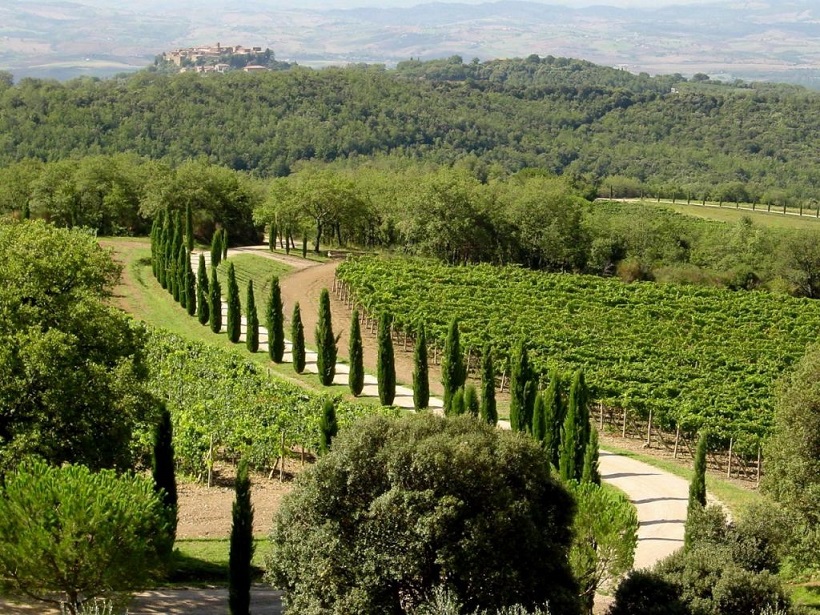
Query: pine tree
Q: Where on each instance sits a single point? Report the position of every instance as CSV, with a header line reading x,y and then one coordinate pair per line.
x,y
203,311
298,340
579,398
216,248
591,472
189,228
191,302
355,378
252,321
457,403
224,243
272,238
234,307
453,373
522,390
242,547
325,342
215,302
539,427
471,405
421,380
328,427
488,409
162,469
553,419
183,263
275,322
385,362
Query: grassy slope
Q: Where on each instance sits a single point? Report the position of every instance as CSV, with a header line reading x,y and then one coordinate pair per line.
x,y
728,213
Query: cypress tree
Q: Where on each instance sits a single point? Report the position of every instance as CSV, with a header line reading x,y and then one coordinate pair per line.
x,y
275,322
298,340
697,488
456,403
471,404
252,320
579,398
224,244
386,364
183,263
553,419
272,238
453,372
421,380
566,462
202,308
539,426
161,264
488,409
325,342
215,302
216,248
190,287
170,263
234,307
355,378
154,241
522,389
241,554
304,246
189,228
591,472
328,427
163,472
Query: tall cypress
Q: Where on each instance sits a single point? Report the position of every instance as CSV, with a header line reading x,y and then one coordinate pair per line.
x,y
325,342
191,302
163,472
385,363
275,322
453,372
234,307
355,379
215,302
189,228
421,378
170,262
328,427
297,335
224,244
471,405
216,248
203,311
553,419
241,554
579,398
183,264
251,320
162,265
697,488
522,390
272,237
488,410
591,472
569,438
155,226
539,426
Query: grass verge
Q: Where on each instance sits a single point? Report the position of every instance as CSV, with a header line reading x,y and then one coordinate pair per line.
x,y
204,561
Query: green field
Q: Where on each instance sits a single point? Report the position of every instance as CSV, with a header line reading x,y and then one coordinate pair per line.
x,y
728,213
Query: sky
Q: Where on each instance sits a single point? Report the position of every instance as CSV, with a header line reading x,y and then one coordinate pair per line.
x,y
339,4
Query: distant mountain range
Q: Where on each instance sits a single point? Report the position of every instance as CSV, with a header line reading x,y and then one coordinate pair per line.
x,y
773,40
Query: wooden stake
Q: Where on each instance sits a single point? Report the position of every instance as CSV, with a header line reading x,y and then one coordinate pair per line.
x,y
649,431
282,467
210,461
759,453
623,432
729,469
677,437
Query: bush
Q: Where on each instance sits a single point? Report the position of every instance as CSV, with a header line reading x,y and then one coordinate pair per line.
x,y
70,535
647,593
400,506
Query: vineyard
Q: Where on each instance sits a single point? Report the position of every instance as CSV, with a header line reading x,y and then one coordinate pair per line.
x,y
693,357
224,406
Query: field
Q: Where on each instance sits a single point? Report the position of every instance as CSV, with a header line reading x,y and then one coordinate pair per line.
x,y
693,356
729,213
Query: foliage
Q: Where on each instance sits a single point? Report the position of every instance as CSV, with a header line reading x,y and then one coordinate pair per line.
x,y
71,368
297,336
190,286
215,302
793,457
539,427
163,472
471,403
591,473
385,362
325,341
216,249
554,410
97,532
234,328
522,390
453,371
252,320
356,356
698,358
328,426
605,535
421,376
203,312
647,593
241,553
697,487
275,322
401,506
488,410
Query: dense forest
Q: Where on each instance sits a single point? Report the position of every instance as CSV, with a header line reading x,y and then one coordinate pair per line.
x,y
565,116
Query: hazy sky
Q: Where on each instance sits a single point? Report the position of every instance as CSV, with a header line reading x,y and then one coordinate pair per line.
x,y
571,3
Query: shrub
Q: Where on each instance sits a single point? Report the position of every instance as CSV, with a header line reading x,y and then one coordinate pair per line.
x,y
647,593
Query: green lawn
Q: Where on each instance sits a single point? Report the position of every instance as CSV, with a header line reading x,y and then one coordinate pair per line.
x,y
205,560
257,268
728,213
